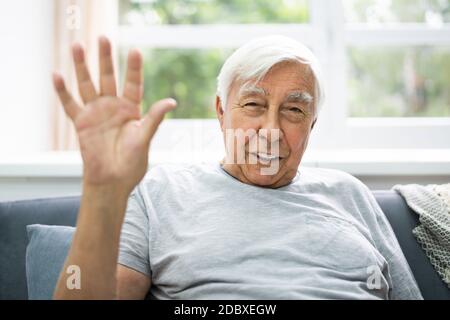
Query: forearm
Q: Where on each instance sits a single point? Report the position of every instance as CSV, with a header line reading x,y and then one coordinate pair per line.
x,y
95,244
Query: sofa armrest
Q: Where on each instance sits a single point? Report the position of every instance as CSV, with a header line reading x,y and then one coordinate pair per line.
x,y
403,220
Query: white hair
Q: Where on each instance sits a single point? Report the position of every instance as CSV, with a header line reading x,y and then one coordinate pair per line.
x,y
252,61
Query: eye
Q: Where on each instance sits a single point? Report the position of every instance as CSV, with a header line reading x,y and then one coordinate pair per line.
x,y
295,110
294,113
252,104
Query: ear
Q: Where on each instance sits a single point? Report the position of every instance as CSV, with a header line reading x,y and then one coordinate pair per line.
x,y
219,111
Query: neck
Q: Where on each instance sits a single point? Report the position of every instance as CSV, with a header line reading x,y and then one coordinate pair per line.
x,y
236,172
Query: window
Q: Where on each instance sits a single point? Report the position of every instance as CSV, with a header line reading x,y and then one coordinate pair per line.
x,y
386,62
397,73
399,82
186,67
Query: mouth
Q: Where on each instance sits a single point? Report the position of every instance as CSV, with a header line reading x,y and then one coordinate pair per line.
x,y
265,158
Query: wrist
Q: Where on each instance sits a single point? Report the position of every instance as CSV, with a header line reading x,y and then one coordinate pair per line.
x,y
107,200
102,209
110,192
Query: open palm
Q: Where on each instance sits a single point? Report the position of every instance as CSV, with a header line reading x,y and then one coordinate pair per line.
x,y
114,139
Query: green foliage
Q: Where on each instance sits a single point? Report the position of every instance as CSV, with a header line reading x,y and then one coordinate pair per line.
x,y
187,75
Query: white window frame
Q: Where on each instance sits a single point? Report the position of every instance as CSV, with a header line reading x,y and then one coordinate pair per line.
x,y
329,36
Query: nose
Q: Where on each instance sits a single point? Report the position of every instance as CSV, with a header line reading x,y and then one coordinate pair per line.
x,y
270,129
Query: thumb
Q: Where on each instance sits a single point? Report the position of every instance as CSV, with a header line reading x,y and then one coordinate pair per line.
x,y
155,115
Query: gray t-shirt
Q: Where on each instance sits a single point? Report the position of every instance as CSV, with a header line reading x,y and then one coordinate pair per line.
x,y
199,233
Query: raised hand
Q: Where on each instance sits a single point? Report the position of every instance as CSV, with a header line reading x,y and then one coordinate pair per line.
x,y
114,139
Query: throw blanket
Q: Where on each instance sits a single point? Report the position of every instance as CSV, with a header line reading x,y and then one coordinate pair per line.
x,y
432,204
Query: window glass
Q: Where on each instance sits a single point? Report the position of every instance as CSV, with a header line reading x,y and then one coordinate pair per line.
x,y
188,75
399,82
433,12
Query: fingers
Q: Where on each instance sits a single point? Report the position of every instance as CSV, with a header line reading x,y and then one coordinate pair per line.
x,y
155,115
107,79
70,106
85,85
133,87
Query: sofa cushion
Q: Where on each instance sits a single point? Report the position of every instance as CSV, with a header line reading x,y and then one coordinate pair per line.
x,y
46,252
14,217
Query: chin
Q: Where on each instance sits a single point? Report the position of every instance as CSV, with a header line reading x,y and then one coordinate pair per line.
x,y
253,174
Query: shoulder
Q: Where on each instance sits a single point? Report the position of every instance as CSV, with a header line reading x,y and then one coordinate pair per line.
x,y
333,178
181,175
178,171
351,194
336,184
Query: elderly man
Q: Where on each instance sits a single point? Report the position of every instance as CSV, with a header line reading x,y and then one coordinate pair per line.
x,y
234,230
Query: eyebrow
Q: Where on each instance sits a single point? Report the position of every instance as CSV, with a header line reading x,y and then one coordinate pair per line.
x,y
247,91
298,96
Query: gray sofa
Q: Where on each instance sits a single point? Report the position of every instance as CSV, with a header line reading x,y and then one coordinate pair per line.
x,y
15,216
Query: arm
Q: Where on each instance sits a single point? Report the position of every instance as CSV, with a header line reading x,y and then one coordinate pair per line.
x,y
114,143
131,284
95,250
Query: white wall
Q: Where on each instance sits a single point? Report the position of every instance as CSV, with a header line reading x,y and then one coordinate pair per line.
x,y
25,75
